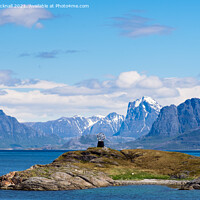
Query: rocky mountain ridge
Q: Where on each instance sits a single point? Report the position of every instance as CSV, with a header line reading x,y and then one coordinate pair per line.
x,y
16,135
139,118
65,126
77,126
109,125
176,128
174,120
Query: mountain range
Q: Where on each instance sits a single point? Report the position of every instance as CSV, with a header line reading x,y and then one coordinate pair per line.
x,y
139,118
33,134
146,125
77,126
66,126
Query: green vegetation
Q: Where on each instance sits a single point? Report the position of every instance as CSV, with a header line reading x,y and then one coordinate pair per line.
x,y
138,176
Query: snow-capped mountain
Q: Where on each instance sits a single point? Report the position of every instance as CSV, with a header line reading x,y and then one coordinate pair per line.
x,y
140,116
77,126
109,125
65,126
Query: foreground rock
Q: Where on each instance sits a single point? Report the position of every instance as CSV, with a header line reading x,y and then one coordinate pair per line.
x,y
101,167
67,177
192,185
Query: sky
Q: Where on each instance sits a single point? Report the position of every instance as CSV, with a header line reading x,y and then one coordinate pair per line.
x,y
92,57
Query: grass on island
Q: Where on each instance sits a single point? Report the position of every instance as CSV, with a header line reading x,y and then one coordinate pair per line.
x,y
138,176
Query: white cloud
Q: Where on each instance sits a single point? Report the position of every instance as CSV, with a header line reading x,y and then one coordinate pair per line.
x,y
128,79
40,100
151,82
24,16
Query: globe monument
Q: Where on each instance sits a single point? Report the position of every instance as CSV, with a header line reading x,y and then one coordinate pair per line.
x,y
101,137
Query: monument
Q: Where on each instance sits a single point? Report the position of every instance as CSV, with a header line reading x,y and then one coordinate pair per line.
x,y
100,137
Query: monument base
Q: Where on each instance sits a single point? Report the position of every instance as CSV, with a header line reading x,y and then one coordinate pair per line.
x,y
100,144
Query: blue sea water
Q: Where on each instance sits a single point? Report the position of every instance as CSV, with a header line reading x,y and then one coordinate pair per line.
x,y
20,160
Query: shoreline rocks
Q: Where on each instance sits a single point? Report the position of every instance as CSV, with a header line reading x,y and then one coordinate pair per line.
x,y
192,185
57,181
151,182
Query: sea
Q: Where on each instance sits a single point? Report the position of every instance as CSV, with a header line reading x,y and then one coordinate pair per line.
x,y
17,160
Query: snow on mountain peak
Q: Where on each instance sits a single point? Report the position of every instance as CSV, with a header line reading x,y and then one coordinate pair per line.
x,y
99,116
77,116
153,104
140,116
91,123
149,100
137,102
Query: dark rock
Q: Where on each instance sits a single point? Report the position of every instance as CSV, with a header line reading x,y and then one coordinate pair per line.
x,y
179,176
192,185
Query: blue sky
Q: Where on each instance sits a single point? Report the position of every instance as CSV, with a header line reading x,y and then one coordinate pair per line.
x,y
109,50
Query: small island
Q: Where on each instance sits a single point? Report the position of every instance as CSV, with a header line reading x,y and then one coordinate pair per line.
x,y
101,167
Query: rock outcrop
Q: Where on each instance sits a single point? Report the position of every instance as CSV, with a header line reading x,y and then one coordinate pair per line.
x,y
192,185
54,177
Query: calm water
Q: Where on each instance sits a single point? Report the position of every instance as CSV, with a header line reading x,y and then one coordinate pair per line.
x,y
20,160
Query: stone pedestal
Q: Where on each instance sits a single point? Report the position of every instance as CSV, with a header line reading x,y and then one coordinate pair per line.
x,y
100,144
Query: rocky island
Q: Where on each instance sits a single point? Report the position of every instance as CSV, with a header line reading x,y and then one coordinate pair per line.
x,y
101,167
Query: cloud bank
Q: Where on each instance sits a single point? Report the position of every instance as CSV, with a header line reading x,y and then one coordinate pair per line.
x,y
41,100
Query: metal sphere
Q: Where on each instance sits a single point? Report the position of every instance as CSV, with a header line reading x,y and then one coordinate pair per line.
x,y
101,137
